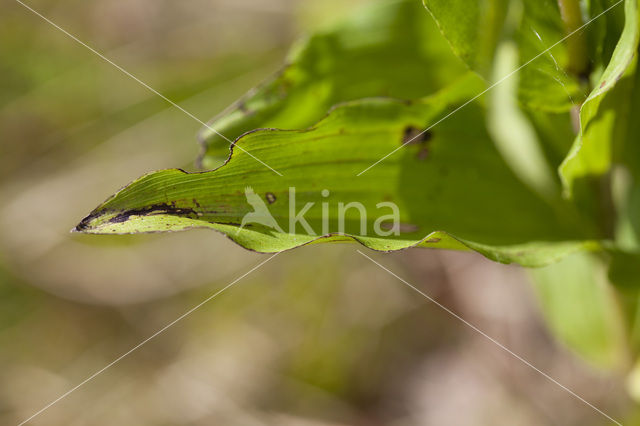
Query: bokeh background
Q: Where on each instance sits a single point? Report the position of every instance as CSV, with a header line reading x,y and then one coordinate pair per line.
x,y
317,336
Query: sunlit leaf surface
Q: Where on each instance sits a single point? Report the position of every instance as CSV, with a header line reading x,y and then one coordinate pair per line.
x,y
451,187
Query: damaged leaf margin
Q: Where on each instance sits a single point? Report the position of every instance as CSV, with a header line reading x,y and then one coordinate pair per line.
x,y
467,199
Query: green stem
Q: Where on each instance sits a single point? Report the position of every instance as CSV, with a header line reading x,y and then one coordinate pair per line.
x,y
577,42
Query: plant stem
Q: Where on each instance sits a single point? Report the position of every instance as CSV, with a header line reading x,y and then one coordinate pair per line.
x,y
577,43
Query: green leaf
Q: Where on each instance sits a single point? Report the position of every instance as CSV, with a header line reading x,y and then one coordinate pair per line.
x,y
474,29
555,133
591,153
545,82
513,133
626,189
580,307
452,188
624,274
624,269
392,49
604,32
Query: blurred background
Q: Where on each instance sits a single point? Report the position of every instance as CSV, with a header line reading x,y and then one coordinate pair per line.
x,y
317,336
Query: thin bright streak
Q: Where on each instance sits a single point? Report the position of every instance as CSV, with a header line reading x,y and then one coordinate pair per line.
x,y
124,71
190,311
492,86
500,345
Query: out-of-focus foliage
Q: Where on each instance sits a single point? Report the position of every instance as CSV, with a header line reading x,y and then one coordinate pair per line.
x,y
474,30
603,115
582,309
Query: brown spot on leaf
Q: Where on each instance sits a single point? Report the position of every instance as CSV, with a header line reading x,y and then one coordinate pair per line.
x,y
413,135
423,153
271,198
432,240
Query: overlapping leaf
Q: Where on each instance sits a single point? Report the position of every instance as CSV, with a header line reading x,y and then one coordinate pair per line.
x,y
392,49
627,153
474,29
591,154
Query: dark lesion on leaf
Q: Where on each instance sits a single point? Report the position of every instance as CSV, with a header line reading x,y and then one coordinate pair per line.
x,y
125,215
154,209
270,196
415,136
